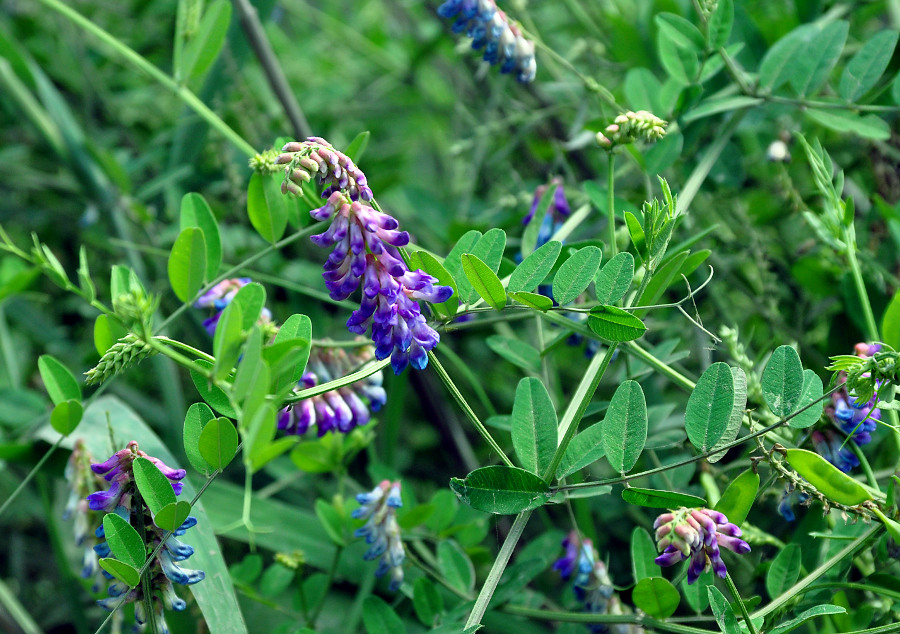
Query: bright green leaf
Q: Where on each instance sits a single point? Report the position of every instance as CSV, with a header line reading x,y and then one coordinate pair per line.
x,y
107,331
625,426
613,280
779,65
643,555
819,610
576,274
890,323
614,324
218,443
533,269
813,66
331,521
171,516
453,262
431,265
656,499
357,147
121,571
195,212
267,212
738,498
782,381
656,596
66,415
484,281
534,425
723,612
60,384
203,48
227,341
865,68
720,23
155,487
187,263
252,298
124,541
533,300
811,394
500,489
212,394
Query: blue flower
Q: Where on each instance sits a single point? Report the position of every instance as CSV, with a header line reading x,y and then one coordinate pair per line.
x,y
379,508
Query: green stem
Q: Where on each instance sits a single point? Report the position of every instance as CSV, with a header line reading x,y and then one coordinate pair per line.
x,y
863,296
663,368
359,375
466,408
474,383
611,204
30,475
332,569
187,348
138,61
493,578
586,617
740,603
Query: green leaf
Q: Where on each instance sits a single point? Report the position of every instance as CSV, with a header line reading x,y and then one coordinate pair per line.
x,y
489,249
656,596
84,276
60,384
66,415
782,381
252,298
816,61
275,580
576,274
295,327
427,601
719,25
642,90
516,352
868,64
784,571
212,394
716,105
643,555
453,262
124,541
484,281
171,516
710,406
431,265
203,48
121,571
455,566
614,279
662,278
585,449
819,610
656,499
227,341
831,481
187,264
195,212
331,521
811,393
695,593
501,490
779,65
357,146
107,332
533,425
614,324
737,414
638,239
533,300
895,89
890,323
680,30
625,426
259,435
681,62
266,207
316,456
530,236
533,269
723,612
155,488
380,618
738,498
869,126
218,443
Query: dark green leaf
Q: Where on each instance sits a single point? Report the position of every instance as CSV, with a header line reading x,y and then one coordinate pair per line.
x,y
484,281
723,612
716,105
60,384
812,393
155,488
66,415
782,381
195,212
501,490
380,618
613,280
643,555
171,516
865,68
121,571
267,212
212,394
817,60
656,596
738,498
84,276
784,571
252,298
516,352
719,25
227,341
187,264
529,238
427,601
779,65
827,478
737,414
533,269
656,499
625,426
456,566
868,126
275,580
203,48
710,406
576,274
218,443
107,332
819,610
124,541
614,324
638,239
585,449
533,300
533,425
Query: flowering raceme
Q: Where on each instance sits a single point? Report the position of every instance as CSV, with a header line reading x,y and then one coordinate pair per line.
x,y
365,253
82,480
379,507
491,30
164,569
697,534
219,296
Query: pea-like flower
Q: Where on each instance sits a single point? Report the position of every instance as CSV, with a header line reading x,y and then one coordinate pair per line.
x,y
858,419
697,534
365,253
490,29
219,296
379,508
165,568
82,480
338,410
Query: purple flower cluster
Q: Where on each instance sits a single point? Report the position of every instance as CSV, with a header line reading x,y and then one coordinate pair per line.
x,y
491,30
338,410
379,507
366,253
578,558
856,419
82,480
164,569
831,446
696,534
219,296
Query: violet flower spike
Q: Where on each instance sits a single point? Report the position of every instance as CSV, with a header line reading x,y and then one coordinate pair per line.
x,y
381,531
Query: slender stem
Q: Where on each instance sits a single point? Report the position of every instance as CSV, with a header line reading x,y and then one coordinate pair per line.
x,y
611,203
467,409
863,296
353,377
587,617
146,587
676,377
493,578
137,60
187,348
30,475
740,602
